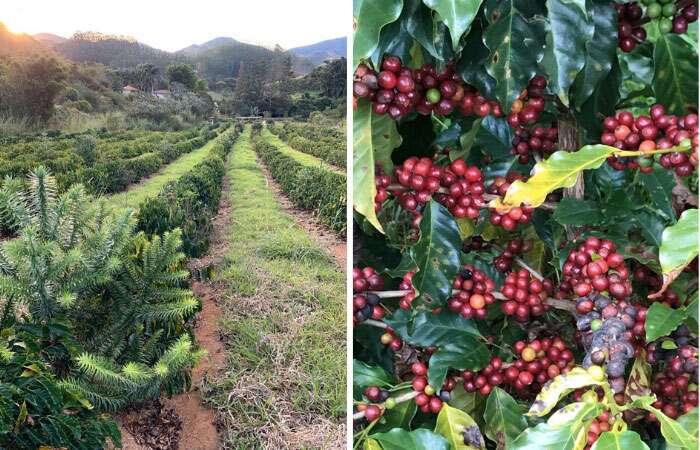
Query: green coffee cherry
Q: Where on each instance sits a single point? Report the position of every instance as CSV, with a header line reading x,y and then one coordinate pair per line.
x,y
654,10
433,95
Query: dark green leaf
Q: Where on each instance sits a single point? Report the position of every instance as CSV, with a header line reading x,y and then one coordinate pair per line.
x,y
571,211
515,45
364,375
662,320
651,225
437,252
466,141
467,354
504,418
398,439
658,185
495,137
370,17
600,50
472,69
419,23
457,15
675,74
431,330
570,28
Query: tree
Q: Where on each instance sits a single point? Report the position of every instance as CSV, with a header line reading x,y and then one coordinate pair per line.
x,y
29,87
523,190
249,86
183,74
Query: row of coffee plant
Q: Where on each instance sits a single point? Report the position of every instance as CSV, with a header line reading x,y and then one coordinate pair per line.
x,y
190,202
321,142
314,188
95,312
105,163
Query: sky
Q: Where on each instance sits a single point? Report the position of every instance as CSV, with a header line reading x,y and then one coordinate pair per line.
x,y
165,25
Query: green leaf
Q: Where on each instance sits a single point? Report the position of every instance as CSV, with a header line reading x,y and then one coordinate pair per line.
x,y
364,189
472,69
364,375
560,386
689,422
679,245
399,416
458,15
370,17
625,440
572,211
639,381
675,74
466,141
504,418
437,252
651,225
467,354
420,24
495,137
371,444
662,320
570,28
471,403
385,138
398,439
515,45
658,185
600,51
558,171
674,432
600,104
431,330
451,423
565,430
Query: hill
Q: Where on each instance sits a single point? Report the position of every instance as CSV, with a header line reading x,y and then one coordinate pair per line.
x,y
16,44
321,51
195,49
113,51
48,39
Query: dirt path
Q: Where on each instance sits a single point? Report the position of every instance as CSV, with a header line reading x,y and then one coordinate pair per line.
x,y
198,423
305,219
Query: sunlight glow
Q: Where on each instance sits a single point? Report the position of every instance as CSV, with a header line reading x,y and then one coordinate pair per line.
x,y
174,25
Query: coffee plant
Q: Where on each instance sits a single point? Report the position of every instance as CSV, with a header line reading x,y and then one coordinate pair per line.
x,y
525,224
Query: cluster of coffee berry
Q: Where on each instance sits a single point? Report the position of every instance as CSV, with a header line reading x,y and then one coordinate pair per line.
x,y
472,291
599,425
525,295
672,386
673,16
657,130
381,182
630,31
540,140
595,266
509,220
372,412
539,361
407,285
529,105
390,339
399,90
644,276
611,332
429,400
519,246
465,189
365,304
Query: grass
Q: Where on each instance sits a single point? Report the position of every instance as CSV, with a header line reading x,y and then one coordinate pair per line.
x,y
150,187
303,158
284,323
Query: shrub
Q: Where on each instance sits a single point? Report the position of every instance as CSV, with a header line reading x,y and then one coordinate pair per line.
x,y
189,202
106,309
313,188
